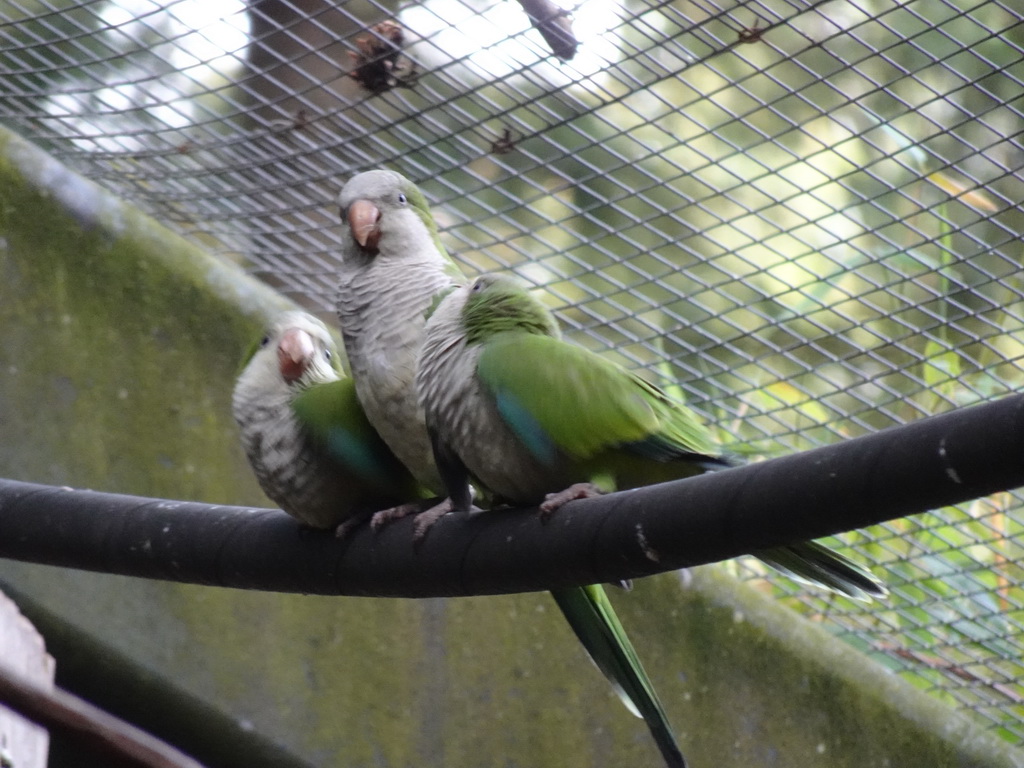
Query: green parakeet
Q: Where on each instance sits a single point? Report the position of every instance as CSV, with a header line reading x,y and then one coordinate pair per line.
x,y
309,444
393,271
528,415
393,266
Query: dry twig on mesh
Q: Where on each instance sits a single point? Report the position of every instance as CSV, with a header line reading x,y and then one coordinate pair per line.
x,y
379,64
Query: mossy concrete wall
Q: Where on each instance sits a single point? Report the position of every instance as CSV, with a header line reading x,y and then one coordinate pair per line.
x,y
118,347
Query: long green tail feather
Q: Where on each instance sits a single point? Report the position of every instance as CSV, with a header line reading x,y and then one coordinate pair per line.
x,y
816,564
592,618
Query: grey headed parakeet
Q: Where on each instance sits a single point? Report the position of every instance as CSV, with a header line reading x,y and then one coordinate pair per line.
x,y
527,415
393,267
394,270
304,433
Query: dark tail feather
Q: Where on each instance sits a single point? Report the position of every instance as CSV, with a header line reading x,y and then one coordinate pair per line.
x,y
812,563
816,564
592,618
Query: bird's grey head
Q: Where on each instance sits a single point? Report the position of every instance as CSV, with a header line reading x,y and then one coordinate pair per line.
x,y
384,213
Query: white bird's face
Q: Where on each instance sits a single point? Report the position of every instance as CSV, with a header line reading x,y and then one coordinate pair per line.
x,y
382,213
296,351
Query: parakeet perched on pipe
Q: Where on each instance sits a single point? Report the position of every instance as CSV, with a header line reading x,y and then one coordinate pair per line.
x,y
304,433
537,420
394,270
393,267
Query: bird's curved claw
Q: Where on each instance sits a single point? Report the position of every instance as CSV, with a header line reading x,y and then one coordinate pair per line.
x,y
555,501
345,529
426,519
389,515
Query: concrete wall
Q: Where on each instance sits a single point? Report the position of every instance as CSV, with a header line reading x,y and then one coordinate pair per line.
x,y
119,343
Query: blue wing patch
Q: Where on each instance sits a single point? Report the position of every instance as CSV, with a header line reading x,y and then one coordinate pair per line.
x,y
351,451
526,428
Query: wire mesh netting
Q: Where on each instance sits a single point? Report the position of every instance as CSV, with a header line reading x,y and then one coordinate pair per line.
x,y
800,216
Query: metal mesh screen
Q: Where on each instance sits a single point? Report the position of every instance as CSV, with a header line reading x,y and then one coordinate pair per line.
x,y
803,215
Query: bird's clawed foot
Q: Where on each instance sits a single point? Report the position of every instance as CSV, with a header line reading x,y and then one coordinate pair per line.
x,y
389,515
345,529
426,519
554,501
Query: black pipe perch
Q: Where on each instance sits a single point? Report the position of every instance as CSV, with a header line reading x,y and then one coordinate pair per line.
x,y
941,460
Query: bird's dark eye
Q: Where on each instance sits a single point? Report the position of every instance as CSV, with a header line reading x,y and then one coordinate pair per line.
x,y
402,200
327,354
478,286
265,340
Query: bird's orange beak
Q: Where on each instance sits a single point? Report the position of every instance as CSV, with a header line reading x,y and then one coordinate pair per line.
x,y
293,353
364,221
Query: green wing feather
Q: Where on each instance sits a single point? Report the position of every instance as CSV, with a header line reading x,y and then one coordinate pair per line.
x,y
332,417
550,391
592,618
560,398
